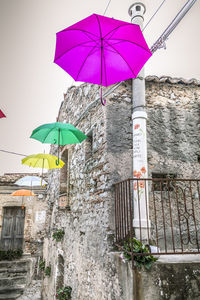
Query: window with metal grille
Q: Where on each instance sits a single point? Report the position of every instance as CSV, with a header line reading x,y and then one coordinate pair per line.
x,y
163,182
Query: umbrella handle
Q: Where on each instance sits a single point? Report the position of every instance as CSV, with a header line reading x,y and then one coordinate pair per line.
x,y
57,162
42,185
103,101
42,174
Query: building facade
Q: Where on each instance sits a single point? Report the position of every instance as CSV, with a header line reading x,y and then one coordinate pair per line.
x,y
81,195
22,218
22,227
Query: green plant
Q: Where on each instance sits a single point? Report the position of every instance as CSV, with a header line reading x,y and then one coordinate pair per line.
x,y
58,235
64,293
42,265
47,271
140,260
10,254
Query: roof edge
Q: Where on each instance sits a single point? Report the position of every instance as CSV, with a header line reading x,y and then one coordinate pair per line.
x,y
173,80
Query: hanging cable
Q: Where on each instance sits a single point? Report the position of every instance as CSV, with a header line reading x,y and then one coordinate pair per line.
x,y
13,153
106,7
179,16
153,15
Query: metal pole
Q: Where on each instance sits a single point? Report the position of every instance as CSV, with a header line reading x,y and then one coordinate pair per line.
x,y
139,117
160,43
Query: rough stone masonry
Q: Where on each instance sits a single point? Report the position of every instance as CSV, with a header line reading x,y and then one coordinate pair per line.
x,y
83,259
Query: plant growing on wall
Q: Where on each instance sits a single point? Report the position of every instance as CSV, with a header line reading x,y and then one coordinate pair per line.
x,y
10,254
47,271
64,293
58,235
42,265
140,260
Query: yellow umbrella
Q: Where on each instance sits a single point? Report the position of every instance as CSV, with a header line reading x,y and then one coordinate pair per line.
x,y
23,193
42,160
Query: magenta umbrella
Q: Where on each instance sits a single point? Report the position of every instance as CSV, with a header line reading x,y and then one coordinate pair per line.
x,y
101,50
2,114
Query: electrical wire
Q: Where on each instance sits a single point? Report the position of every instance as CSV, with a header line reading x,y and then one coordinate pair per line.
x,y
106,7
179,16
10,152
153,15
181,13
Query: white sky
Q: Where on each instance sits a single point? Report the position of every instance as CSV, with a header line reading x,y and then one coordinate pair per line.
x,y
32,86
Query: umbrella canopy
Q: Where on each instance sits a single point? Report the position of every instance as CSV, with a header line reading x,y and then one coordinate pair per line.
x,y
42,160
30,181
101,50
23,193
2,114
58,133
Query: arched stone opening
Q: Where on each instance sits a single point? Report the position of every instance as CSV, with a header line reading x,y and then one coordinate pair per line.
x,y
60,273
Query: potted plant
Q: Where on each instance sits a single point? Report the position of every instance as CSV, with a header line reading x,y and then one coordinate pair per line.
x,y
145,259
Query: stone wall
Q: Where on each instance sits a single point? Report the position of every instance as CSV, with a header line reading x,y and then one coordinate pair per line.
x,y
173,150
95,164
89,224
173,127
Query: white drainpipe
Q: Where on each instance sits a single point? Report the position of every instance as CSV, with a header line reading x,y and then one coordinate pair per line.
x,y
139,117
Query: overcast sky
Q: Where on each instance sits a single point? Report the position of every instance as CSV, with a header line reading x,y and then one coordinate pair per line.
x,y
32,86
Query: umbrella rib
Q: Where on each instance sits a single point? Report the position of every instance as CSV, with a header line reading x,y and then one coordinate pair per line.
x,y
48,135
84,31
122,58
34,164
73,132
109,50
71,49
131,43
99,26
84,62
88,34
117,28
92,39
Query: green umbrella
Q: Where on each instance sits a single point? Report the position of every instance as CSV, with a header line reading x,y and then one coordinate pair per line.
x,y
59,134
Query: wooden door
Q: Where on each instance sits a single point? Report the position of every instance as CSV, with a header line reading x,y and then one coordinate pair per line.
x,y
12,228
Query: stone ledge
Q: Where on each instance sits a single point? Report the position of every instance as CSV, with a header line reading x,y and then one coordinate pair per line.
x,y
179,258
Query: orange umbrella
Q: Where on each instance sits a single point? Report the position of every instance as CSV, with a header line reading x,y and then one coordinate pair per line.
x,y
23,193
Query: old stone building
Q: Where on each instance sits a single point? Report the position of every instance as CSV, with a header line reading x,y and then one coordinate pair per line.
x,y
81,196
22,221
